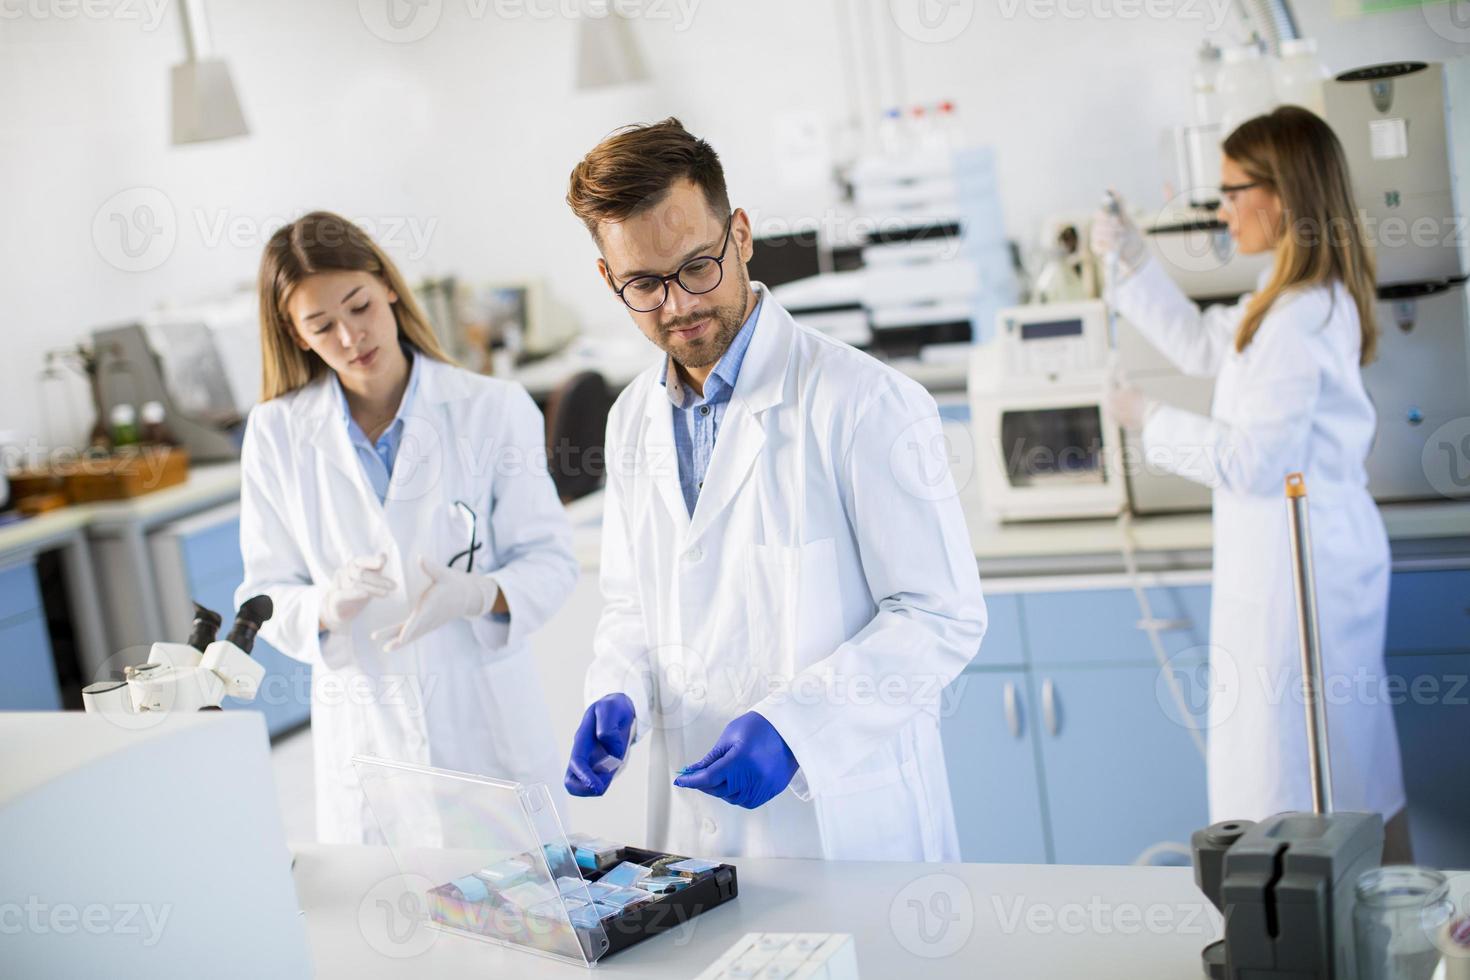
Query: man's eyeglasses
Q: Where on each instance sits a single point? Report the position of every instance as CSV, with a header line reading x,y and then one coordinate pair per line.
x,y
701,274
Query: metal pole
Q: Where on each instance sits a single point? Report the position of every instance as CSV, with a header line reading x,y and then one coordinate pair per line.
x,y
1311,643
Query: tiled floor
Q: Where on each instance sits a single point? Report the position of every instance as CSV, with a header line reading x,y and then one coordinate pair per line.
x,y
291,760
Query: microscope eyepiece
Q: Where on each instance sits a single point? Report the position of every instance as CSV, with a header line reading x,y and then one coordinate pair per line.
x,y
253,612
206,627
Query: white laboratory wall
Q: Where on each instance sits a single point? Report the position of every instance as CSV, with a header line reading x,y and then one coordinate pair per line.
x,y
456,147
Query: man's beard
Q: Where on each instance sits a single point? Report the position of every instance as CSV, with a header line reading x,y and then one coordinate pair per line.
x,y
707,350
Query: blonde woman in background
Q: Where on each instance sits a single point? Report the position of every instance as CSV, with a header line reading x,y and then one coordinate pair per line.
x,y
393,509
1289,397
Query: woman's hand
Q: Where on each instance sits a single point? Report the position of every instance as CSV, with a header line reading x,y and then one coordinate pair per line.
x,y
1115,235
450,595
353,586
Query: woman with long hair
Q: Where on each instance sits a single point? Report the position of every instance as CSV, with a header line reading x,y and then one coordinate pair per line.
x,y
398,511
1289,397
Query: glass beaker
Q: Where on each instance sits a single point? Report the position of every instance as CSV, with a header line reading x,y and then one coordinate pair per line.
x,y
1399,913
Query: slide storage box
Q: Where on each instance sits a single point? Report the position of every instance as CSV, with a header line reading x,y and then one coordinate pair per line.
x,y
490,860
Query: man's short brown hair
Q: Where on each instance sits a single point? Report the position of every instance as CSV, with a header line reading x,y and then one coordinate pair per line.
x,y
633,169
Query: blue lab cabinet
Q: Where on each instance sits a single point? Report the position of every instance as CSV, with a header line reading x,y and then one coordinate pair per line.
x,y
25,644
1058,746
199,559
1065,743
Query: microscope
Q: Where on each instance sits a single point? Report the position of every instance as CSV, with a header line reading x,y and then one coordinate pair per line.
x,y
192,676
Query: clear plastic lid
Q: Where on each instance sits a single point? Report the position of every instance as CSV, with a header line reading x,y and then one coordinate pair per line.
x,y
490,857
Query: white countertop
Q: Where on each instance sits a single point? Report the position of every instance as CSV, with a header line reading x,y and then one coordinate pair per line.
x,y
929,920
995,545
206,485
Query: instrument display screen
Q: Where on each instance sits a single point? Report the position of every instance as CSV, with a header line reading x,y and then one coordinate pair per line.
x,y
1047,329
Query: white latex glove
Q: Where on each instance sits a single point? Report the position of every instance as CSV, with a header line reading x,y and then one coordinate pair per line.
x,y
1129,407
353,586
1117,235
450,595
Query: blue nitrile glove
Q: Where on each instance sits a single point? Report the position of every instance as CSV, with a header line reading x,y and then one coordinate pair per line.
x,y
748,766
600,744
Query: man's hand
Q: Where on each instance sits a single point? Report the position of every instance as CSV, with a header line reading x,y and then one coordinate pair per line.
x,y
749,765
600,744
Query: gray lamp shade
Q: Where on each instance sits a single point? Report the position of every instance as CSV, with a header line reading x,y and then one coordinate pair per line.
x,y
205,104
607,54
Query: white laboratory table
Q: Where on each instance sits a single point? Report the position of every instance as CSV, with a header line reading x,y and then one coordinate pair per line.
x,y
908,920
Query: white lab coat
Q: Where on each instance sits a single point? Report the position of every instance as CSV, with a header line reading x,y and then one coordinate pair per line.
x,y
467,696
1293,400
826,580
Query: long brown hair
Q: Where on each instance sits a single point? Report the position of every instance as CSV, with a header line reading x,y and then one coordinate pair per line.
x,y
1295,154
323,242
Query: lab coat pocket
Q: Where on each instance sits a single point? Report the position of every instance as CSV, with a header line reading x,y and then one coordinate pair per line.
x,y
792,607
873,812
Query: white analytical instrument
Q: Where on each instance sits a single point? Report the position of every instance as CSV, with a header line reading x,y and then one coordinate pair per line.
x,y
1046,445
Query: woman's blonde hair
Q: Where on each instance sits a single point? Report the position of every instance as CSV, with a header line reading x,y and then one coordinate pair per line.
x,y
1321,240
323,242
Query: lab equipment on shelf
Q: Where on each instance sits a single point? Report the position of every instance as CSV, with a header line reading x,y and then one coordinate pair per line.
x,y
1046,446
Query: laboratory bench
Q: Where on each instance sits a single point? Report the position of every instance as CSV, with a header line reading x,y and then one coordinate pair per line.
x,y
934,920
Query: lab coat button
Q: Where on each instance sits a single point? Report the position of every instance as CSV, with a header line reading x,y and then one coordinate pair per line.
x,y
708,826
694,554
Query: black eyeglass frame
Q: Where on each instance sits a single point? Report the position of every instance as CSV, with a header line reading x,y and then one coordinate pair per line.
x,y
718,260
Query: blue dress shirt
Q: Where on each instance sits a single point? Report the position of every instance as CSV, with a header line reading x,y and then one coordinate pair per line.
x,y
697,418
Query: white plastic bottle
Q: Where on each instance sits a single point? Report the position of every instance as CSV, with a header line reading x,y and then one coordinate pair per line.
x,y
1246,88
1299,76
1206,84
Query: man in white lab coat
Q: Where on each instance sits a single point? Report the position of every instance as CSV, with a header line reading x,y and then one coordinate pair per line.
x,y
788,580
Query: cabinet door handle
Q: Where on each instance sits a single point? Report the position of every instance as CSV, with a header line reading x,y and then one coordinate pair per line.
x,y
1013,713
1165,625
1049,705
